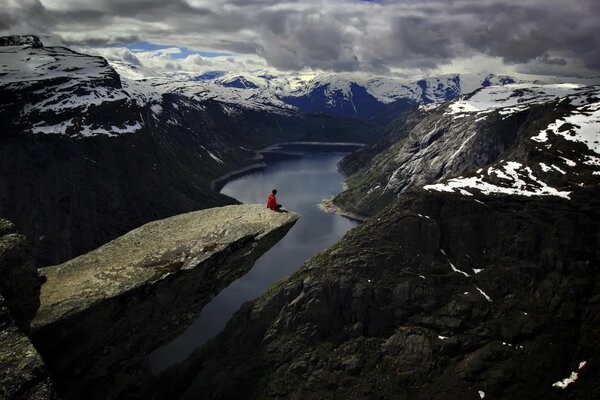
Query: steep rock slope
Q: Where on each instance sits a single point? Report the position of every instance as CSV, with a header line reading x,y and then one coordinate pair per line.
x,y
23,374
438,297
490,127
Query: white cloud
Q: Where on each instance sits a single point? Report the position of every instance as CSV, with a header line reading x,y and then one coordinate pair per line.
x,y
542,36
162,60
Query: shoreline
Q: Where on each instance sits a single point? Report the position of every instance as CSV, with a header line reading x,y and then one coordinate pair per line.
x,y
217,184
327,205
277,146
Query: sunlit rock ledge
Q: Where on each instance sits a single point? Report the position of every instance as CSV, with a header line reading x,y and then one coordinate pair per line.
x,y
108,308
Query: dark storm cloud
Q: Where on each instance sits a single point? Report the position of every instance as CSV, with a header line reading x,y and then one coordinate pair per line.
x,y
341,35
545,58
103,41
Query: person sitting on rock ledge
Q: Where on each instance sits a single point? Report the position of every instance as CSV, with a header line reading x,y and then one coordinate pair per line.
x,y
272,202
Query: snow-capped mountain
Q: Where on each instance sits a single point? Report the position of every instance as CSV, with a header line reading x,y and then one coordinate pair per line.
x,y
347,94
57,90
79,89
518,139
341,94
562,157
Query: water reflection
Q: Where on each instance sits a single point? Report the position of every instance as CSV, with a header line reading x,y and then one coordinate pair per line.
x,y
301,183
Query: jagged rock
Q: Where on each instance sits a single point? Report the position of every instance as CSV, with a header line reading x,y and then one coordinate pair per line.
x,y
21,40
20,282
23,374
103,311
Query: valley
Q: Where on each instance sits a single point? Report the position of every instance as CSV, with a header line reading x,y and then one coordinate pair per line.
x,y
133,229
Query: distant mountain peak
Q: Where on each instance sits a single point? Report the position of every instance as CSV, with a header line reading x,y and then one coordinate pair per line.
x,y
21,40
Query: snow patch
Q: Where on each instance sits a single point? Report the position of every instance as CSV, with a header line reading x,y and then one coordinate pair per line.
x,y
515,180
563,384
484,294
570,163
452,265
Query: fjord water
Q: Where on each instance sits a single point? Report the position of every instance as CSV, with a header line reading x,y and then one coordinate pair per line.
x,y
303,178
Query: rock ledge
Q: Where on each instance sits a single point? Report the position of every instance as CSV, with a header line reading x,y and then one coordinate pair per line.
x,y
105,310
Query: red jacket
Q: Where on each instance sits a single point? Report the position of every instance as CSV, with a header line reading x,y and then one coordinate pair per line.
x,y
272,202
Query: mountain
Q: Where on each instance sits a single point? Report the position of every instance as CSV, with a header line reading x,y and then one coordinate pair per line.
x,y
89,150
357,95
476,275
340,94
487,141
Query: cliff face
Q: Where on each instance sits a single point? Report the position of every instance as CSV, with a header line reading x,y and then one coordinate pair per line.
x,y
439,297
23,374
102,312
491,127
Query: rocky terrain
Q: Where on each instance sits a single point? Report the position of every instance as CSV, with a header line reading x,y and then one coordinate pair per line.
x,y
475,277
23,373
476,137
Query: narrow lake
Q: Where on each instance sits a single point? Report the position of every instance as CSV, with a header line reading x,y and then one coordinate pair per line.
x,y
303,175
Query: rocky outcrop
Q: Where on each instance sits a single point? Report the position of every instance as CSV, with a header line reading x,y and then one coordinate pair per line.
x,y
102,312
23,374
21,40
20,283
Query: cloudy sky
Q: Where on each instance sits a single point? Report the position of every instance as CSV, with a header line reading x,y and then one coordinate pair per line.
x,y
383,37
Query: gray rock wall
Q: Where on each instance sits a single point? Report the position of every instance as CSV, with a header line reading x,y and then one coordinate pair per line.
x,y
23,374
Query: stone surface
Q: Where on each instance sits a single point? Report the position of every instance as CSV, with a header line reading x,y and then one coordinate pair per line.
x,y
23,374
20,283
103,311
